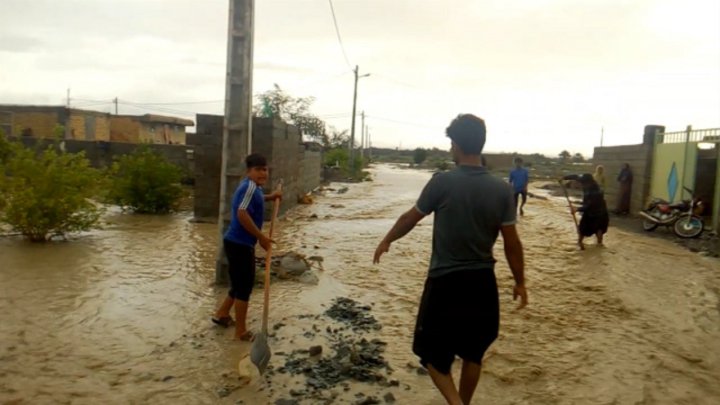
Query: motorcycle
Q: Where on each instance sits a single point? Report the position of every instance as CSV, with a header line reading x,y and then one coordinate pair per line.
x,y
684,216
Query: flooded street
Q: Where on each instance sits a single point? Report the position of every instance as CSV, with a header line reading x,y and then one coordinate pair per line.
x,y
121,315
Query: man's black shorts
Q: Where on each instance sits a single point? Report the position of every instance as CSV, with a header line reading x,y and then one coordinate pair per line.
x,y
459,315
241,266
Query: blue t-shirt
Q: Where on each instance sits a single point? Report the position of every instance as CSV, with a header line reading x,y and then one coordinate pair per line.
x,y
519,178
249,197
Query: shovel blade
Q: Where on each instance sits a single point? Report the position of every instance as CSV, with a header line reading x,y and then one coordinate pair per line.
x,y
260,352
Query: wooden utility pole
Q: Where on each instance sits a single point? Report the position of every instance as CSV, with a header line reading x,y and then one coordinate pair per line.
x,y
237,125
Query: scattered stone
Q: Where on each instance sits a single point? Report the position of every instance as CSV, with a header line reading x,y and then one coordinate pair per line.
x,y
369,401
315,350
389,398
280,353
343,190
337,206
349,311
314,216
167,378
394,383
278,325
316,247
298,393
225,391
287,402
421,371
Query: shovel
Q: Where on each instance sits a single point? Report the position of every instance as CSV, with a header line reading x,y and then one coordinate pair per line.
x,y
260,350
572,211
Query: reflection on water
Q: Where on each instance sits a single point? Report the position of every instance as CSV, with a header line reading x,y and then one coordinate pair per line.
x,y
121,315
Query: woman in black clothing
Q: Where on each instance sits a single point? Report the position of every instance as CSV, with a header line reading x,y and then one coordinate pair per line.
x,y
595,218
625,180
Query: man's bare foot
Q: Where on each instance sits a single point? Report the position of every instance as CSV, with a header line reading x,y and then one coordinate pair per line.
x,y
246,336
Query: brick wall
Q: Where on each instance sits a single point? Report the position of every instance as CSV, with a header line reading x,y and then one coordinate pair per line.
x,y
124,129
41,123
639,157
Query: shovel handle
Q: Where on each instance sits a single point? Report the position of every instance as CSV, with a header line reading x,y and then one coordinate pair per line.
x,y
268,262
570,205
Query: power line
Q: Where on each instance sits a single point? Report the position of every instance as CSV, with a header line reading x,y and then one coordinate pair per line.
x,y
186,102
400,122
337,31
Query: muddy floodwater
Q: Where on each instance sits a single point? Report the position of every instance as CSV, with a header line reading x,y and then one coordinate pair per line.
x,y
121,315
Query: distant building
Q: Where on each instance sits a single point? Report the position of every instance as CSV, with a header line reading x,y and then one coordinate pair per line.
x,y
148,128
85,125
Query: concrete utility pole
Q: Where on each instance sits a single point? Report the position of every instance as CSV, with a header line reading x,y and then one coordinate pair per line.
x,y
67,118
369,143
352,125
237,126
116,105
362,136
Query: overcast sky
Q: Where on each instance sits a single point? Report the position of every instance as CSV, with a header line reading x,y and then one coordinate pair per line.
x,y
546,75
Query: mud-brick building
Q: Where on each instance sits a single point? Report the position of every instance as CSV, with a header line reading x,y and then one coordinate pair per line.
x,y
44,122
149,128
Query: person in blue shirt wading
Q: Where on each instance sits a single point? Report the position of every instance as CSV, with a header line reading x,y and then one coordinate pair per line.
x,y
248,206
459,311
519,178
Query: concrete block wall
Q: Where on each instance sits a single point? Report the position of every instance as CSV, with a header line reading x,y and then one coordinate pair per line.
x,y
312,176
281,144
639,157
102,154
206,144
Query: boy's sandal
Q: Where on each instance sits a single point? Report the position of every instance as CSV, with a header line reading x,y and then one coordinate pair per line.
x,y
225,321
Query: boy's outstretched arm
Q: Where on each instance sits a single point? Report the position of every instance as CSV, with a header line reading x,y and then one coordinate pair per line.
x,y
516,261
403,225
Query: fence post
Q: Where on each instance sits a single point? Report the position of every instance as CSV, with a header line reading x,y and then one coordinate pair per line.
x,y
688,130
716,197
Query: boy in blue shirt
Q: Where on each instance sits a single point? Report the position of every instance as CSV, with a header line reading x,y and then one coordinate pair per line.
x,y
519,178
248,206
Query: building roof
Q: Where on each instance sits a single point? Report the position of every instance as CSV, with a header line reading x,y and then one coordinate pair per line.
x,y
149,118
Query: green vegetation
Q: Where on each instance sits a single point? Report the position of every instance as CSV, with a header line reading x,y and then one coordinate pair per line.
x,y
419,155
145,182
46,193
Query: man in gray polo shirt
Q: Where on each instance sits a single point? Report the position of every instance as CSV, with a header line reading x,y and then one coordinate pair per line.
x,y
459,311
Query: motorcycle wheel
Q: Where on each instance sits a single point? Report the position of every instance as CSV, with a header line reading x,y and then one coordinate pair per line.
x,y
689,226
648,225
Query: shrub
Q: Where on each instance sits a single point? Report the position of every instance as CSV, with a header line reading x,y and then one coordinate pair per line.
x,y
146,182
47,193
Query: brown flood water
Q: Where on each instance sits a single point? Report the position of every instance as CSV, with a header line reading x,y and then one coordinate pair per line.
x,y
121,315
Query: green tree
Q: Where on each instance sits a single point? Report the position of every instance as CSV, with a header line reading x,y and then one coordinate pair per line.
x,y
564,155
578,158
337,139
47,193
337,157
146,182
4,147
293,110
419,155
